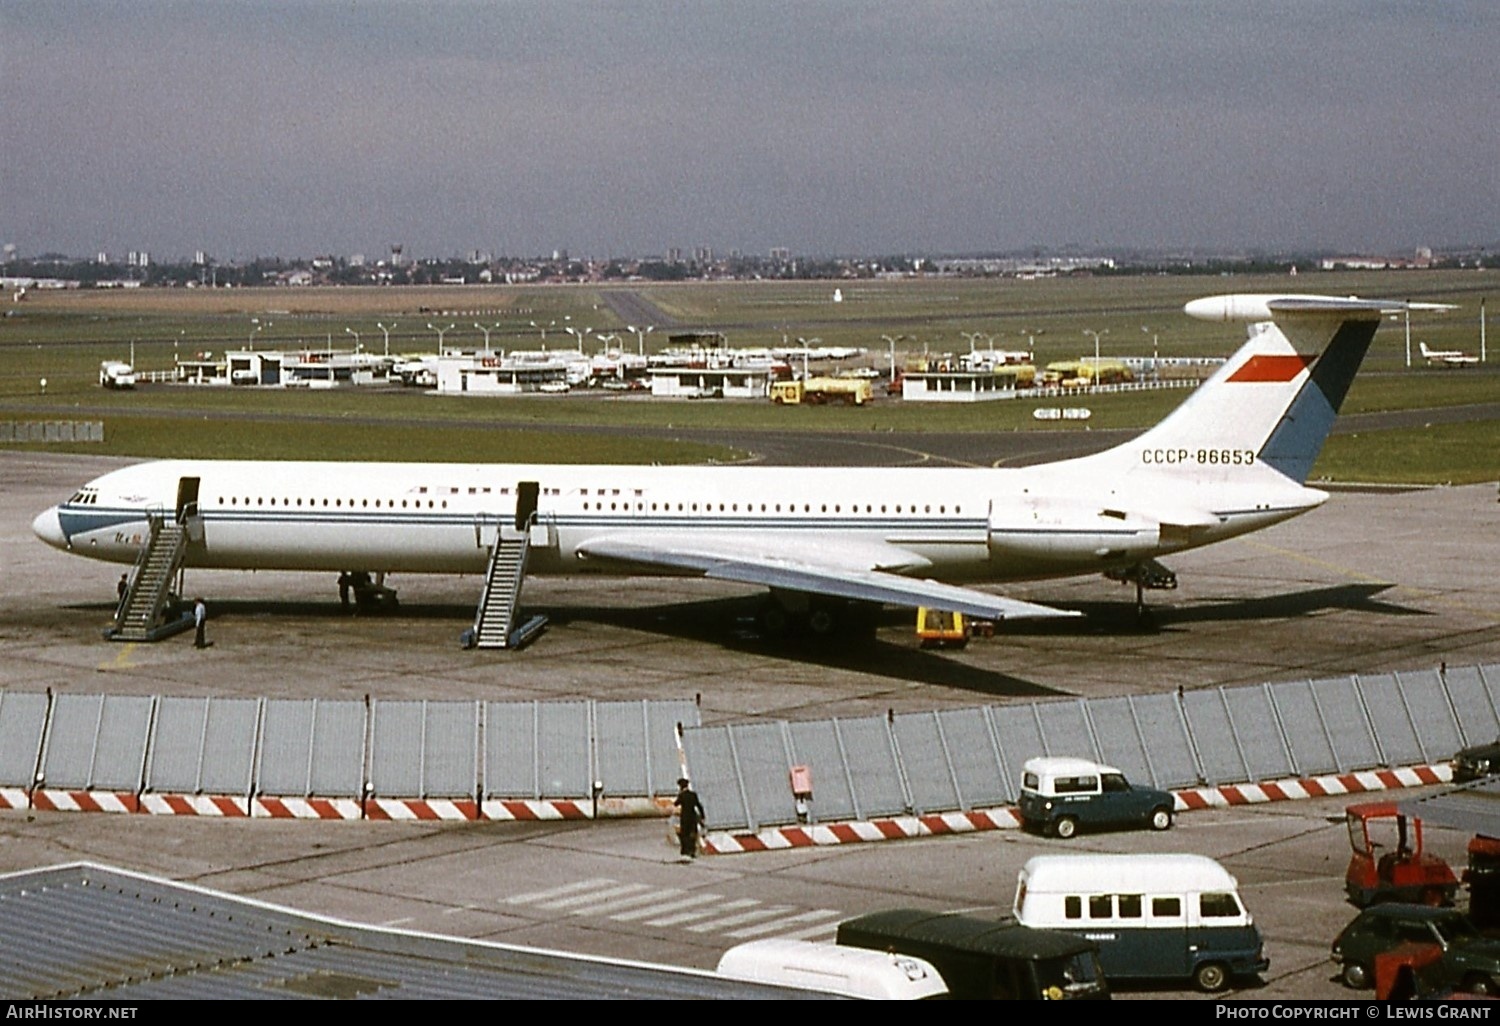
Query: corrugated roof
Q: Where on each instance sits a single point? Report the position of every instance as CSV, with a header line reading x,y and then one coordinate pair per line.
x,y
90,931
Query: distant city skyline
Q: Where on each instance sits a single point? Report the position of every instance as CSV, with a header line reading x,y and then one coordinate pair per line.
x,y
248,128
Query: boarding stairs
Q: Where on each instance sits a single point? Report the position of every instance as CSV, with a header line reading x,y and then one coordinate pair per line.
x,y
496,620
142,612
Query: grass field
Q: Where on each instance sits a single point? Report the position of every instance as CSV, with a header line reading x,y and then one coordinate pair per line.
x,y
62,337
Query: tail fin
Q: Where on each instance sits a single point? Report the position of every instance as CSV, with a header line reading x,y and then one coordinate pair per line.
x,y
1269,404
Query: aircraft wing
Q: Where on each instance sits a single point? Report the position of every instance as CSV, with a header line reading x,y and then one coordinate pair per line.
x,y
851,570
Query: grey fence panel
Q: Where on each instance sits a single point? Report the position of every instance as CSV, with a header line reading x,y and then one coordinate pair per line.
x,y
1393,727
1432,717
714,770
635,746
566,762
1478,722
283,766
926,762
1306,733
424,749
452,752
312,749
97,741
622,747
1218,748
177,745
762,759
1065,729
1168,748
818,746
1349,730
510,751
338,753
23,718
873,769
1020,734
976,761
1259,732
229,746
1120,743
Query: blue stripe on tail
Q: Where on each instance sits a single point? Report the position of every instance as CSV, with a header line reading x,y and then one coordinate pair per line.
x,y
1297,440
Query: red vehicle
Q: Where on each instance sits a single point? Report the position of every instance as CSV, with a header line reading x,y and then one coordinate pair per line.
x,y
1403,872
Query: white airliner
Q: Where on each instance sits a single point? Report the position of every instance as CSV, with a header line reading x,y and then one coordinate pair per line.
x,y
1447,357
1231,459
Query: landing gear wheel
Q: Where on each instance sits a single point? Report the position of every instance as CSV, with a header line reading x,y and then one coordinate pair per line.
x,y
1066,827
821,621
774,621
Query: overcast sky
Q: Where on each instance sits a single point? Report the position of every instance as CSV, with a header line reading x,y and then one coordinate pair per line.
x,y
343,126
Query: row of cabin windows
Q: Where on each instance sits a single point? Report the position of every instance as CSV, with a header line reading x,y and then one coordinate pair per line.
x,y
765,507
235,500
1129,906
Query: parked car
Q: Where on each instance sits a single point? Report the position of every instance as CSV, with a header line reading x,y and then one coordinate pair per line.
x,y
1476,761
1060,795
1470,960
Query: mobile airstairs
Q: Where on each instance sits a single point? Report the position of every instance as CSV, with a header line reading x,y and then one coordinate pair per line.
x,y
148,609
498,622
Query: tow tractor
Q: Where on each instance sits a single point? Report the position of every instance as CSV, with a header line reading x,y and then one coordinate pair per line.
x,y
1403,872
938,628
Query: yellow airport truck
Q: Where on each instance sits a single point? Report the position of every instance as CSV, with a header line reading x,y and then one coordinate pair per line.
x,y
850,391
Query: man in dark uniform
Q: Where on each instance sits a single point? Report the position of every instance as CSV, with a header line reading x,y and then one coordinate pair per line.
x,y
691,817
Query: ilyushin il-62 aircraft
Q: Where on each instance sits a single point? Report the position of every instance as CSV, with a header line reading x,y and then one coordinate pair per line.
x,y
830,544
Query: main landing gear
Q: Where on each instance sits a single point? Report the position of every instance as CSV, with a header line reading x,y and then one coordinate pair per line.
x,y
369,595
1148,575
793,614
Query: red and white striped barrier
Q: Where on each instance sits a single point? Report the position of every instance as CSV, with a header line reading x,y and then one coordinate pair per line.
x,y
429,810
14,798
214,805
1007,818
1313,787
528,811
306,808
83,801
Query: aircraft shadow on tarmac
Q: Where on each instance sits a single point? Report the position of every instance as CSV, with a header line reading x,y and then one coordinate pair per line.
x,y
731,623
1110,618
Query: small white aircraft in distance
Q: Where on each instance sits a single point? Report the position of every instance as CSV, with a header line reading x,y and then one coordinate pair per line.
x,y
1447,357
829,543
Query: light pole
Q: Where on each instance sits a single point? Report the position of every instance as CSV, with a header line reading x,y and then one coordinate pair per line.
x,y
580,334
255,328
806,344
1407,315
351,331
893,341
1031,334
543,329
640,336
440,333
486,331
1146,329
386,331
1094,378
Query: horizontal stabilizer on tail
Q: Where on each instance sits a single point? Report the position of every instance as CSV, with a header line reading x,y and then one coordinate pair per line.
x,y
1266,306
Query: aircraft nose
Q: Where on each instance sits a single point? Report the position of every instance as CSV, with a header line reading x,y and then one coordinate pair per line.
x,y
48,527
